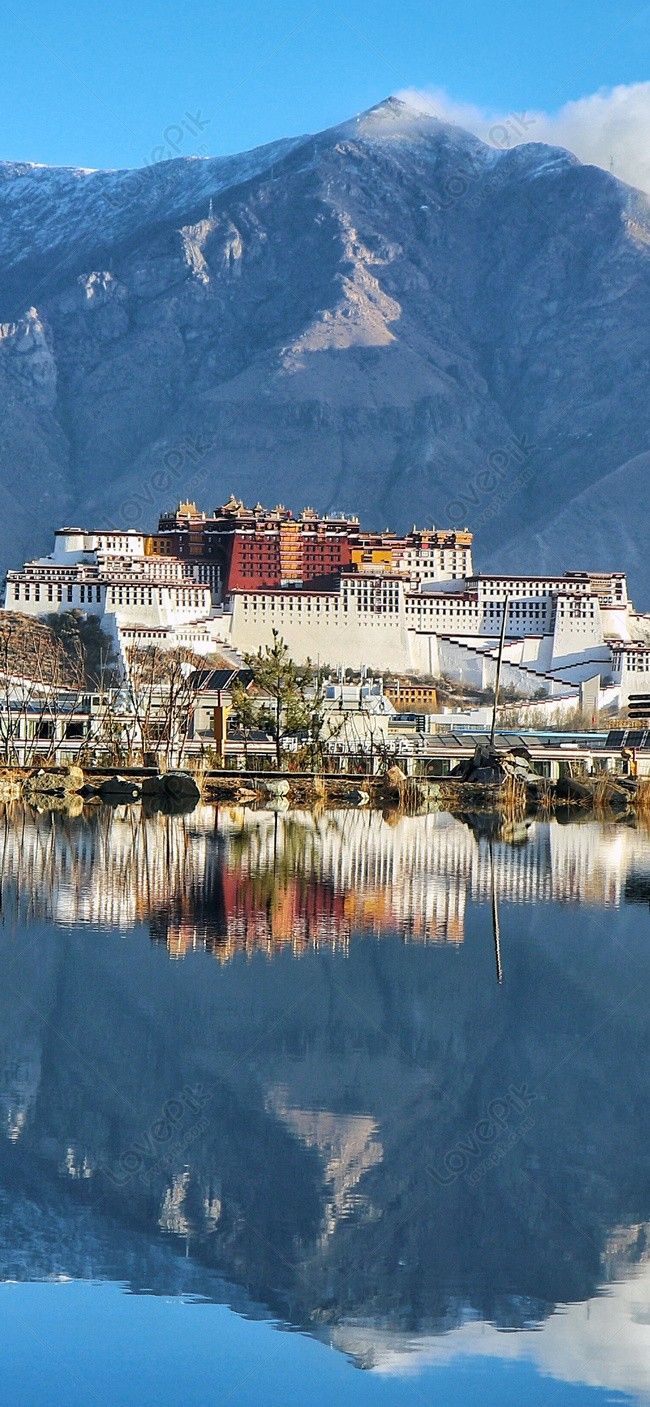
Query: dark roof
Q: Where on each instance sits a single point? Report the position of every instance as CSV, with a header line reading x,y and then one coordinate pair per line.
x,y
503,742
254,735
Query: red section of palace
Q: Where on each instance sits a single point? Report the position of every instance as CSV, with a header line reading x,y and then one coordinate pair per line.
x,y
257,548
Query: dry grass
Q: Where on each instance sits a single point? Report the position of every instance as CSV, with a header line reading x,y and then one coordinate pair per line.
x,y
198,772
545,800
508,800
410,795
602,795
642,800
403,793
30,649
513,799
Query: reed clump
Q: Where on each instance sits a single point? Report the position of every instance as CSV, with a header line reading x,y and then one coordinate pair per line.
x,y
410,795
642,800
602,795
545,800
513,799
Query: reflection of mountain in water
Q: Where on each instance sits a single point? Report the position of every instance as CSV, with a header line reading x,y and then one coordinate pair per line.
x,y
313,1136
348,1146
603,1342
233,881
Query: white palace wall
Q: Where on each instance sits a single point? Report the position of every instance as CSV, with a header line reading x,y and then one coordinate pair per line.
x,y
318,628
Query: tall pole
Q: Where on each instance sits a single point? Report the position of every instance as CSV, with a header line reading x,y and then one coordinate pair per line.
x,y
496,928
497,681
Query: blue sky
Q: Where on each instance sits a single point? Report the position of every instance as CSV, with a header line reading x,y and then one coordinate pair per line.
x,y
95,85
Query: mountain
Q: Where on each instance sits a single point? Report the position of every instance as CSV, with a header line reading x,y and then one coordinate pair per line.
x,y
389,316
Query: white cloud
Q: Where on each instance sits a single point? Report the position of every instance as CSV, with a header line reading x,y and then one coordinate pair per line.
x,y
602,1342
610,128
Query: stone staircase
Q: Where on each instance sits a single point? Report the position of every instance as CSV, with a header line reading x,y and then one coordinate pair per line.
x,y
521,676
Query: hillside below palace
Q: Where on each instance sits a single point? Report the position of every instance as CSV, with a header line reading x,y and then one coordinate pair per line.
x,y
342,597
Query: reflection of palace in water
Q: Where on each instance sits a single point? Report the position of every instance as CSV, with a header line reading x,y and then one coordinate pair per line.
x,y
234,880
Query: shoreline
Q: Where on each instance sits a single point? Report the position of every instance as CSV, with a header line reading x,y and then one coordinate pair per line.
x,y
71,788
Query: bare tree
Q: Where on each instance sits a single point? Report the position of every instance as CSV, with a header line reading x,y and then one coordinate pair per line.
x,y
160,698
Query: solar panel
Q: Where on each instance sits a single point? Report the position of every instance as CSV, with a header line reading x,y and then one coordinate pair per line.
x,y
629,737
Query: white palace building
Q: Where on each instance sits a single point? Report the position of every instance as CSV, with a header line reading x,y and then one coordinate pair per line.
x,y
141,599
561,631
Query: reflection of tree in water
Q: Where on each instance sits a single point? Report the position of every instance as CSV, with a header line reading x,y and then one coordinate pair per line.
x,y
111,866
295,848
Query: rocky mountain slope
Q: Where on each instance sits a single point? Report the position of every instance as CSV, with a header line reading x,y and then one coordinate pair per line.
x,y
390,317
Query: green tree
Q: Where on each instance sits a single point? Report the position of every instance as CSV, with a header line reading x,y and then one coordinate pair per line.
x,y
284,708
245,712
319,723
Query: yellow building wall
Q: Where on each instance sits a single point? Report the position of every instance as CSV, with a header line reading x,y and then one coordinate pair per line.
x,y
363,557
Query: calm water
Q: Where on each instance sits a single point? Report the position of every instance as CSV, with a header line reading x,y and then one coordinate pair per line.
x,y
272,1131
